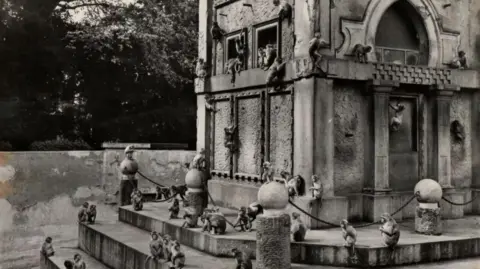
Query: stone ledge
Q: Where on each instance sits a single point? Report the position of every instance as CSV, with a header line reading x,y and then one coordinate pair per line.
x,y
461,239
62,254
151,146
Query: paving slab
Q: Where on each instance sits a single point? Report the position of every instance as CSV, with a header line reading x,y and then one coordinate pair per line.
x,y
461,239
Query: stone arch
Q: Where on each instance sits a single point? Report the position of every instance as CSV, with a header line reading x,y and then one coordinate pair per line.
x,y
364,32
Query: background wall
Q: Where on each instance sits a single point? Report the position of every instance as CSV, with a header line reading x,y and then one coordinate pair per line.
x,y
40,193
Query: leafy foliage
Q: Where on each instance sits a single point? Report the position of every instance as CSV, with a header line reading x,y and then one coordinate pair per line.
x,y
124,72
60,144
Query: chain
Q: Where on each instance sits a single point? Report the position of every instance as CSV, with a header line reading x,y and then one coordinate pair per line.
x,y
158,184
359,226
460,204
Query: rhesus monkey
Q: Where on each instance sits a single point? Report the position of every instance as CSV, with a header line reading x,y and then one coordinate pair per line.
x,y
92,214
68,264
234,66
390,232
296,186
47,248
261,57
78,263
253,210
271,55
199,162
299,229
267,175
216,31
243,221
156,248
360,52
178,257
209,105
459,62
315,45
350,236
174,209
137,200
82,213
285,12
275,73
317,188
396,121
242,259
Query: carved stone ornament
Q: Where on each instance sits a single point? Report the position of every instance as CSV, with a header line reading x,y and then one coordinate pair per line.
x,y
303,68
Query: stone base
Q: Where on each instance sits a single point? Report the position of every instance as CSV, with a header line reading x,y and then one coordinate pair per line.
x,y
126,189
273,242
230,194
428,219
195,201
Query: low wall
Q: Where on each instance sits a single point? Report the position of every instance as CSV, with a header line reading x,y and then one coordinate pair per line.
x,y
40,193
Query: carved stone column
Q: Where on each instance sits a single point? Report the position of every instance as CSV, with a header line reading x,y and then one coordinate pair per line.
x,y
273,228
313,131
128,182
195,197
441,133
381,98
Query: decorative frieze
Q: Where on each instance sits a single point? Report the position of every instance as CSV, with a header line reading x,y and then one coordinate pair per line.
x,y
420,75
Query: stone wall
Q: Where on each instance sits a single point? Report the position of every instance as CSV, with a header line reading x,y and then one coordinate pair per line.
x,y
461,151
350,123
40,193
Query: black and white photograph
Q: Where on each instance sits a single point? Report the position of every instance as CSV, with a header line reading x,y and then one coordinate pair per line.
x,y
239,134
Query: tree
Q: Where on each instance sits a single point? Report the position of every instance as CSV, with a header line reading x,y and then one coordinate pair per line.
x,y
125,64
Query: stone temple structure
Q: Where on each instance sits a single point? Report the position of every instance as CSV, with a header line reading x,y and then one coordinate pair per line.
x,y
370,131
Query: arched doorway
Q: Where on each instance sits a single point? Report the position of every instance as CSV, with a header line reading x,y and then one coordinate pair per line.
x,y
401,36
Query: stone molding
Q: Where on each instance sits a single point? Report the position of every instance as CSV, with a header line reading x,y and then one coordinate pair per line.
x,y
442,45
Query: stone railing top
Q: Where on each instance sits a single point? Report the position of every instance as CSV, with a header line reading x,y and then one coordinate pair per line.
x,y
158,146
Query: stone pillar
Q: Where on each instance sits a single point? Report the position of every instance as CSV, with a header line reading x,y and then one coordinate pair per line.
x,y
303,129
427,213
194,179
381,98
273,228
323,143
313,131
127,185
441,134
129,168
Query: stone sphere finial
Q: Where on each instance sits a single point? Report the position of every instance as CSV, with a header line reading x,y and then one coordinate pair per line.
x,y
129,167
194,179
273,197
429,191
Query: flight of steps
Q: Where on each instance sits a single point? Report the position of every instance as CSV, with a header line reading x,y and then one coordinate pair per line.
x,y
113,244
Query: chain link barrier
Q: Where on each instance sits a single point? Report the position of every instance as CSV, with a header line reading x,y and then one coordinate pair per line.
x,y
358,226
460,204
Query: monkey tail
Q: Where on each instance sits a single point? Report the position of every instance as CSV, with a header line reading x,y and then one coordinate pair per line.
x,y
146,260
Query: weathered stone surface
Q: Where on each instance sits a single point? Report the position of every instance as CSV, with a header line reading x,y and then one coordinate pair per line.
x,y
249,135
273,196
195,179
428,221
273,242
461,151
126,188
281,144
429,191
196,204
350,125
222,120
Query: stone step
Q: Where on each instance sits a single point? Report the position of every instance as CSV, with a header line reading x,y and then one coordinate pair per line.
x,y
63,254
122,246
461,239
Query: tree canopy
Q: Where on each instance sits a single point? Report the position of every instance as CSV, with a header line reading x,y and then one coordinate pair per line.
x,y
98,70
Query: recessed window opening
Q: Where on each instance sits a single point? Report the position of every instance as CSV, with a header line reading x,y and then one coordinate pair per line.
x,y
266,37
231,47
408,45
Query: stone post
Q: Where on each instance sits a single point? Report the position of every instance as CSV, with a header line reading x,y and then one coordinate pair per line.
x,y
273,228
381,98
128,182
428,220
194,179
441,133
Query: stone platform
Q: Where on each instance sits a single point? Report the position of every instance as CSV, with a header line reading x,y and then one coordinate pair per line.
x,y
461,239
62,254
